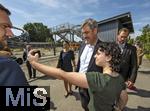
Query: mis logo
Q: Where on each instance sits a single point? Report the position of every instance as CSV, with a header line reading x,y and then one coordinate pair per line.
x,y
29,97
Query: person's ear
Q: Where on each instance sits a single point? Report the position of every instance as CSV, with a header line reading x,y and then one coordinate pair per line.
x,y
108,58
95,30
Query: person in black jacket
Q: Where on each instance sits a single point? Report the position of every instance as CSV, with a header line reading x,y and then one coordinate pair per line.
x,y
10,72
86,60
31,71
128,66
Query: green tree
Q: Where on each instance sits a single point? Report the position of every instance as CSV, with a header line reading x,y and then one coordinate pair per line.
x,y
145,39
38,32
131,41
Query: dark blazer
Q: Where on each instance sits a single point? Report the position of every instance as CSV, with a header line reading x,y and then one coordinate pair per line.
x,y
92,66
128,66
24,55
11,73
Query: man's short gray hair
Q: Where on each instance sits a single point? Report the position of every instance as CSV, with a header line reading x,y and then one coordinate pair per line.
x,y
90,22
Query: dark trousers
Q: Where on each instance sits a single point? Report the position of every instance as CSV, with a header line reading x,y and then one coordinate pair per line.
x,y
29,67
85,98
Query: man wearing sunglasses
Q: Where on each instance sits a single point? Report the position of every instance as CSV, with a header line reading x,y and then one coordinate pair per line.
x,y
10,72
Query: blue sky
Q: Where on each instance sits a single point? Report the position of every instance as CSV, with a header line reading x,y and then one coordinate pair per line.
x,y
55,12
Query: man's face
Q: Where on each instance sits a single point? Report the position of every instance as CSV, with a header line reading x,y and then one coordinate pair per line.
x,y
122,37
5,27
89,35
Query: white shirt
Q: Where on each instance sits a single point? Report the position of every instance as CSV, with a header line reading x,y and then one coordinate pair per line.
x,y
122,47
86,57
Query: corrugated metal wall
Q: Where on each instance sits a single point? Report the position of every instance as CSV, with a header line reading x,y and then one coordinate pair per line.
x,y
108,31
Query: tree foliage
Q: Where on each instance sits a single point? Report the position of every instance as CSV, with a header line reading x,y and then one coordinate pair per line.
x,y
38,32
145,38
131,41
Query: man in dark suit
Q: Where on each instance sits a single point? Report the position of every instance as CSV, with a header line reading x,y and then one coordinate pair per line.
x,y
128,66
86,60
10,72
31,70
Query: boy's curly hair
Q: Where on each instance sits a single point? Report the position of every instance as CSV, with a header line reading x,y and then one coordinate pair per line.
x,y
112,49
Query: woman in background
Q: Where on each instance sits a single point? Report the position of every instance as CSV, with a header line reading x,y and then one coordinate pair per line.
x,y
66,62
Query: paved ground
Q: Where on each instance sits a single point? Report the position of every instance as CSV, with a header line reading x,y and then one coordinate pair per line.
x,y
138,101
